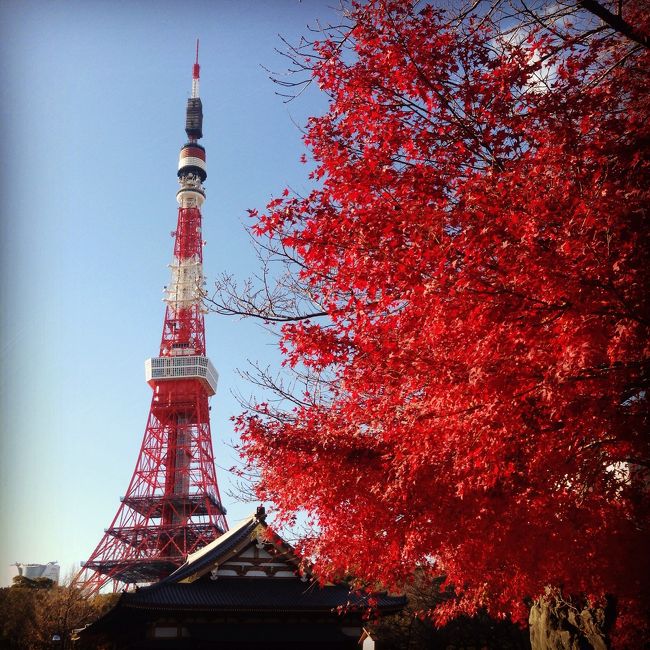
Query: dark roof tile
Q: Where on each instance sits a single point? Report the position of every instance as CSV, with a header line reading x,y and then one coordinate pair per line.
x,y
252,594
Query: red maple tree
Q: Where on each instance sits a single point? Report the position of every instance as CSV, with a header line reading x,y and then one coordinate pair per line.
x,y
474,395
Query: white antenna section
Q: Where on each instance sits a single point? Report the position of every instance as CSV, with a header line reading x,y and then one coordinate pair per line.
x,y
186,286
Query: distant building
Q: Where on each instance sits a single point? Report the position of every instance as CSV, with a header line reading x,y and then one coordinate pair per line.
x,y
51,570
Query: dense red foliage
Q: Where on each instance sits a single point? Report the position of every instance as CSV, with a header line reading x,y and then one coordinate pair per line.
x,y
477,240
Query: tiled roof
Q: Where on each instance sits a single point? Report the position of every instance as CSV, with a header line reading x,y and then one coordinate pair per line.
x,y
243,593
250,594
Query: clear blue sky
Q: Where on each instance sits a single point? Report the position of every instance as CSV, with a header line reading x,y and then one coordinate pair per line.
x,y
92,115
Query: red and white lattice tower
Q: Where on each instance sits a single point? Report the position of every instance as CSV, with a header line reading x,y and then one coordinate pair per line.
x,y
172,506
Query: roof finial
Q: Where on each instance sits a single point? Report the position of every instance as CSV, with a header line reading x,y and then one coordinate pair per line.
x,y
260,515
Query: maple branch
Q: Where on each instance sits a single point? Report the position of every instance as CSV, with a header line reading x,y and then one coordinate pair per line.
x,y
268,297
447,103
263,378
539,21
551,306
250,309
463,14
297,56
614,65
616,22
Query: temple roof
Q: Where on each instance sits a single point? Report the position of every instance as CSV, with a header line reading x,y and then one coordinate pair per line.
x,y
249,569
253,594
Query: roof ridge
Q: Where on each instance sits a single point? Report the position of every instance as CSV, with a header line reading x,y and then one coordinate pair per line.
x,y
203,556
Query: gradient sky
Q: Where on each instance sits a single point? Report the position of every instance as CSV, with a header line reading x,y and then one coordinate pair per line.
x,y
92,118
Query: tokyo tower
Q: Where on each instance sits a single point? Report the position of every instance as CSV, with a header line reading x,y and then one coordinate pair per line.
x,y
172,505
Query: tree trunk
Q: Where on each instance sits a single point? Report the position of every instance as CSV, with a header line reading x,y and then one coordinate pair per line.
x,y
555,623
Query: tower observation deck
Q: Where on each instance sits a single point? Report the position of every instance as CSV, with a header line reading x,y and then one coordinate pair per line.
x,y
172,505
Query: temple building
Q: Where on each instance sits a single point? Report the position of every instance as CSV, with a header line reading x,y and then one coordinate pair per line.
x,y
247,589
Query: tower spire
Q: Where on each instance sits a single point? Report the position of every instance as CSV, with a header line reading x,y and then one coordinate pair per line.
x,y
172,505
195,73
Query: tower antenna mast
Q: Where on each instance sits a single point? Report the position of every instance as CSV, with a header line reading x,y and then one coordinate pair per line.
x,y
195,73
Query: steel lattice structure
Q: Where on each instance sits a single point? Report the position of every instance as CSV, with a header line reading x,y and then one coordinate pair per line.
x,y
172,506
